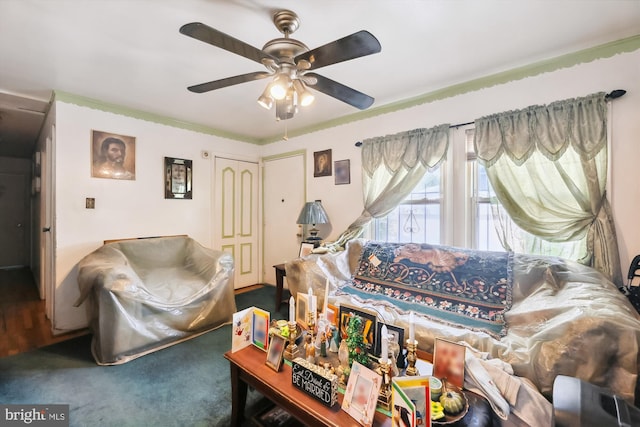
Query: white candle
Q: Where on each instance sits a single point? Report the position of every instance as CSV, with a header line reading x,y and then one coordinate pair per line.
x,y
412,328
312,307
384,357
292,310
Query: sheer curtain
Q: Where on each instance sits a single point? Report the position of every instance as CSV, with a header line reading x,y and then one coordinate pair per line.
x,y
392,166
548,167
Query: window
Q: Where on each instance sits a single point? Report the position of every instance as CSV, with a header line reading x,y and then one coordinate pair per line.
x,y
483,202
417,218
455,205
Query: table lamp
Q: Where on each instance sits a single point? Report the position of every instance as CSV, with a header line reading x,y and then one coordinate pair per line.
x,y
313,213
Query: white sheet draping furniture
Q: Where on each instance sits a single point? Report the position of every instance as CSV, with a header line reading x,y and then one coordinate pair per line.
x,y
147,294
566,318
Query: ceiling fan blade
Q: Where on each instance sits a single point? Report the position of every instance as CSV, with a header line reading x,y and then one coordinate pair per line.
x,y
204,33
229,81
358,44
341,92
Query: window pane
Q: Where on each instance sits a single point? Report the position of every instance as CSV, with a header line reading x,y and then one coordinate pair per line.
x,y
417,219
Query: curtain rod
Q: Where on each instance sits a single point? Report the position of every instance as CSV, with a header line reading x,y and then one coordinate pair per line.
x,y
614,94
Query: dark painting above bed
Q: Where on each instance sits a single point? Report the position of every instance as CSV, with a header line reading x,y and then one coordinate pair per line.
x,y
463,287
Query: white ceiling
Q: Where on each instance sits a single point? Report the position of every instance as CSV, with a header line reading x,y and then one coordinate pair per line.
x,y
130,53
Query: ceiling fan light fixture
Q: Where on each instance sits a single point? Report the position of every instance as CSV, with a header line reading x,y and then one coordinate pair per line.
x,y
279,86
265,100
304,96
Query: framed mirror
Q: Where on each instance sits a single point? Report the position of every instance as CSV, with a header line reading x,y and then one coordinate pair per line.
x,y
178,178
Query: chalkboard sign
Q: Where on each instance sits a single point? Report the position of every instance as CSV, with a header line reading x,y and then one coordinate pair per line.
x,y
315,381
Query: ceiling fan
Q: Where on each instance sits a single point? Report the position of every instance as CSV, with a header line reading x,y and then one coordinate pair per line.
x,y
290,63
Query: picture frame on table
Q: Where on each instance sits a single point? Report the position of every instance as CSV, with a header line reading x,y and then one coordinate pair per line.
x,y
396,331
277,345
448,361
305,249
361,394
332,314
343,172
302,309
368,325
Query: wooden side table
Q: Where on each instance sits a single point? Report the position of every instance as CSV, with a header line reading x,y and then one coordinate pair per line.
x,y
280,274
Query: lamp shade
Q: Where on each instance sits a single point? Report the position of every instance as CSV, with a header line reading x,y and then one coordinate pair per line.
x,y
313,213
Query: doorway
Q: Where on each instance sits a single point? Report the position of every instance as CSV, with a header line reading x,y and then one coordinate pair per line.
x,y
15,203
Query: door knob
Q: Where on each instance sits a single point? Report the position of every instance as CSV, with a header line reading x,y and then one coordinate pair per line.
x,y
46,229
19,225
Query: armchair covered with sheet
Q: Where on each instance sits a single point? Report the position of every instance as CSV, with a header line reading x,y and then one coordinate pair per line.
x,y
147,294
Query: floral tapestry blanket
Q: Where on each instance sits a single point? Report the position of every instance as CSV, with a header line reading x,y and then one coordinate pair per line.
x,y
463,287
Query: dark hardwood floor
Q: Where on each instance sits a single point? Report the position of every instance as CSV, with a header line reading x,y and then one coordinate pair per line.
x,y
23,323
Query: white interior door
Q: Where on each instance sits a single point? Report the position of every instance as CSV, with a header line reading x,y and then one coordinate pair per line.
x,y
283,197
14,220
236,229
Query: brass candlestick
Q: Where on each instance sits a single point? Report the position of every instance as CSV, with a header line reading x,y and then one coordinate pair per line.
x,y
384,397
291,352
311,324
411,358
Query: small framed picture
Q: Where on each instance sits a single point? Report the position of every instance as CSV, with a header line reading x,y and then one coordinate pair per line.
x,y
343,172
302,309
305,249
395,331
448,361
260,331
178,178
368,324
361,394
332,314
276,350
322,163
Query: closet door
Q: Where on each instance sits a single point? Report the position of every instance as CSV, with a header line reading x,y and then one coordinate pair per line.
x,y
236,222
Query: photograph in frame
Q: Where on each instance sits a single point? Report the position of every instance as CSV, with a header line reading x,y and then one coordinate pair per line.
x,y
342,172
260,328
302,309
332,314
368,324
396,331
361,394
305,249
113,156
448,361
322,163
178,182
275,353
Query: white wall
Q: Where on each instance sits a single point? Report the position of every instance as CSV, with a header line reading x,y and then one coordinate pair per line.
x,y
125,208
344,203
138,208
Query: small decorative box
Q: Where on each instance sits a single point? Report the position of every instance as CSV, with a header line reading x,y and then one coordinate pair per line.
x,y
315,381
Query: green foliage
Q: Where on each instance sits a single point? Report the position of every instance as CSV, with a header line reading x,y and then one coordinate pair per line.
x,y
355,341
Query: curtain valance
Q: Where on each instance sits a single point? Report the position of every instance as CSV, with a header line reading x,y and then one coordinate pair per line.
x,y
392,166
549,129
406,149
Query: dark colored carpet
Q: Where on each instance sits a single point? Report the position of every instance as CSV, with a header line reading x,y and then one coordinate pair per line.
x,y
183,385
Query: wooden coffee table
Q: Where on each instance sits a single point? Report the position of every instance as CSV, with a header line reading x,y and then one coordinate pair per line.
x,y
248,368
